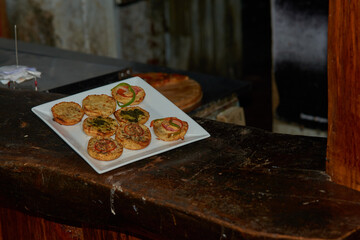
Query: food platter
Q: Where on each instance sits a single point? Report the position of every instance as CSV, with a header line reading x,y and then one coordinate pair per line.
x,y
155,103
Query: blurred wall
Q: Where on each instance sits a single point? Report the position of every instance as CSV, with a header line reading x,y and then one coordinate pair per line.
x,y
201,35
81,25
299,37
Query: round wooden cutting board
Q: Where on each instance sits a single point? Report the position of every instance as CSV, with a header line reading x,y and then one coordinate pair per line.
x,y
186,94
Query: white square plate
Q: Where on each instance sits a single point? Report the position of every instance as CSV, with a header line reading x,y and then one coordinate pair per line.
x,y
155,103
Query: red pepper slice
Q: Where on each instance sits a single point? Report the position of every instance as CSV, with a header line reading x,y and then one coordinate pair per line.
x,y
126,92
172,124
176,122
133,130
104,145
136,89
122,91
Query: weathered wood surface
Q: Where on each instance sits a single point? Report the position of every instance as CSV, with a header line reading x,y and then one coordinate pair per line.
x,y
344,88
241,183
21,226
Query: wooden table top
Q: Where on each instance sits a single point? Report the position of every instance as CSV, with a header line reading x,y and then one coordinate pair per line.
x,y
241,183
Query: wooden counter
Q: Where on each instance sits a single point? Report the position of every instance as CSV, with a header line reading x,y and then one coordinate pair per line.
x,y
241,183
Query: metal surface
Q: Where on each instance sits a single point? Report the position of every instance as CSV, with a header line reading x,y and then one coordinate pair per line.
x,y
93,82
55,72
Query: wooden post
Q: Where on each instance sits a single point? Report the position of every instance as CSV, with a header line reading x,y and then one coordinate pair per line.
x,y
343,144
4,25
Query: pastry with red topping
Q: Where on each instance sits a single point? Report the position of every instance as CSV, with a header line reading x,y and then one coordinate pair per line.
x,y
104,149
170,128
133,136
126,94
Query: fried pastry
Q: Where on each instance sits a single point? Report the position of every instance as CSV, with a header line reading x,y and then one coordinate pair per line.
x,y
132,115
104,149
100,126
170,128
67,113
99,105
133,136
127,94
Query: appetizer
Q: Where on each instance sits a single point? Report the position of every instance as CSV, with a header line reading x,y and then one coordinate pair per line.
x,y
99,105
67,113
100,126
132,114
133,136
170,128
104,149
127,95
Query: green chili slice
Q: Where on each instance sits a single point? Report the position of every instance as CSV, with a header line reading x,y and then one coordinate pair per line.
x,y
131,90
173,124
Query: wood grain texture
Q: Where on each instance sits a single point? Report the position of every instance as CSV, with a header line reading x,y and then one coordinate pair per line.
x,y
4,24
20,226
240,183
186,95
343,152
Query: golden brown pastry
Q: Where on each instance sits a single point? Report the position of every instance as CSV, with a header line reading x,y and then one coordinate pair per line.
x,y
133,136
100,126
99,105
104,149
132,115
67,113
170,128
127,95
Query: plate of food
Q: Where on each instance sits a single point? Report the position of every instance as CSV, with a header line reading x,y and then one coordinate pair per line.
x,y
119,123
